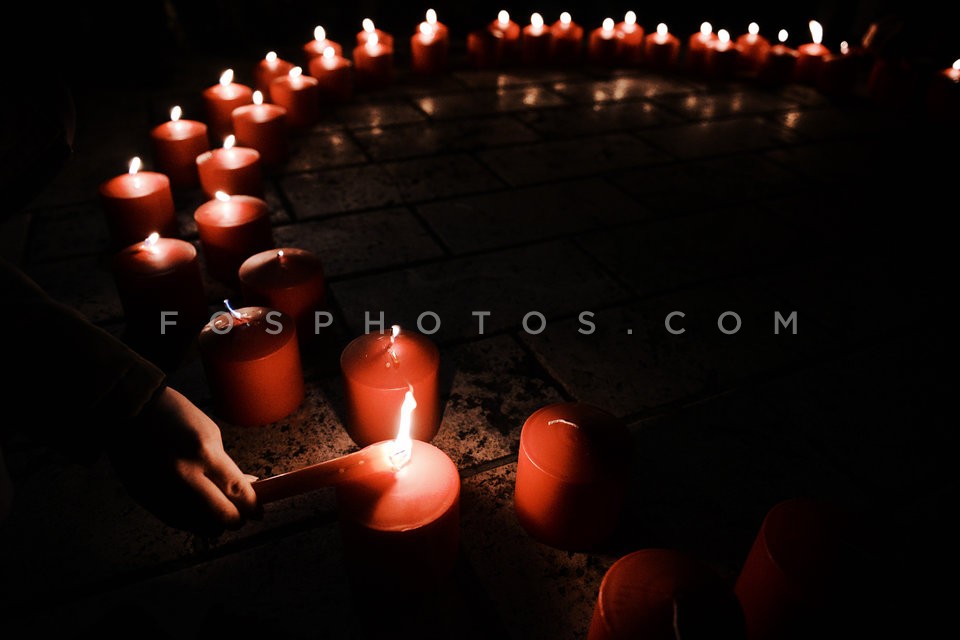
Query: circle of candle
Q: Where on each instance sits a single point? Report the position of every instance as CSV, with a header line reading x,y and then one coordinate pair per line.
x,y
778,64
753,48
838,76
269,69
176,145
794,568
158,281
377,371
373,63
567,40
220,100
369,30
287,279
136,204
300,96
262,127
943,95
697,47
661,49
810,56
603,45
484,48
509,35
232,169
535,42
403,528
630,35
252,364
231,229
571,475
664,594
723,58
319,44
429,46
334,75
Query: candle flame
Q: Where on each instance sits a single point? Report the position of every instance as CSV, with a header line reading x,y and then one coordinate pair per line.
x,y
782,36
372,41
503,18
229,141
536,21
226,78
630,18
956,65
753,28
431,17
319,33
135,164
271,57
403,444
723,36
296,72
368,25
705,30
329,53
257,97
607,24
151,241
844,48
816,32
233,312
280,253
662,30
222,196
565,19
426,29
176,113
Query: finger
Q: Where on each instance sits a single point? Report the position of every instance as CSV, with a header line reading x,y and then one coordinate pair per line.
x,y
217,503
235,485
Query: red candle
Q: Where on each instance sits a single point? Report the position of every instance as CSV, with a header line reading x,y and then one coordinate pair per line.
x,y
300,96
334,76
779,63
220,100
484,48
723,58
287,279
429,46
319,44
838,77
176,145
943,96
571,475
373,62
892,83
535,42
603,45
567,40
262,127
231,229
697,47
369,30
664,594
810,56
753,48
136,204
378,370
232,169
268,70
661,49
508,32
630,35
252,365
158,281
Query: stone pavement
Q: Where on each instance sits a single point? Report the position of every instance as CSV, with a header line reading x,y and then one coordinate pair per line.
x,y
626,194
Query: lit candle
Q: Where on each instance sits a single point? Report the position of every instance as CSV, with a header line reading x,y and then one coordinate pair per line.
x,y
508,32
429,46
484,48
373,63
269,69
779,63
403,528
231,229
220,100
535,42
697,47
664,594
810,56
319,44
661,49
838,76
137,203
630,35
231,169
252,364
262,127
300,96
943,95
377,371
572,475
369,30
334,76
290,280
603,45
723,58
753,48
164,305
567,40
176,145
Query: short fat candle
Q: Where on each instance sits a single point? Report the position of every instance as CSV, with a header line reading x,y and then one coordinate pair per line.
x,y
137,203
300,96
269,69
231,229
220,100
661,49
176,145
429,47
262,127
810,56
231,169
334,75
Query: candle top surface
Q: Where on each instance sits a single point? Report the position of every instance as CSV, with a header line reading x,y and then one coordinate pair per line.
x,y
232,158
416,495
265,112
269,270
162,256
235,211
179,129
369,360
258,333
138,185
576,442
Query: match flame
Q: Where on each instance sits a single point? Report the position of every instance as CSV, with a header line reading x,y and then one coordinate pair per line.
x,y
607,24
257,97
662,30
705,30
844,48
536,21
782,36
431,17
329,53
233,312
222,196
426,29
816,32
565,19
368,25
271,57
630,18
753,28
503,18
403,444
135,164
723,36
176,113
319,33
151,241
229,141
956,65
226,78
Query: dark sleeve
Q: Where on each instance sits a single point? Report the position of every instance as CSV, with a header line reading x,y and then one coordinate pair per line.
x,y
70,382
